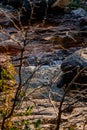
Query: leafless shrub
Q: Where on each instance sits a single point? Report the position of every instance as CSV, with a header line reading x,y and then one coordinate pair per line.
x,y
72,97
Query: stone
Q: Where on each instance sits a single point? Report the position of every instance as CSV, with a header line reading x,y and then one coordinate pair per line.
x,y
79,58
80,12
83,21
67,40
72,65
7,16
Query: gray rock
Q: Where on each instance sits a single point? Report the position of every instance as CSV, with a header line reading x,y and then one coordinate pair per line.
x,y
7,15
79,58
79,12
44,75
73,65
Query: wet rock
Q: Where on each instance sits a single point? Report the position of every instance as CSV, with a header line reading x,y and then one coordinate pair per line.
x,y
72,65
80,12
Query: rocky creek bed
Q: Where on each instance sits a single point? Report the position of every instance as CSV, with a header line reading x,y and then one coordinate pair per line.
x,y
47,46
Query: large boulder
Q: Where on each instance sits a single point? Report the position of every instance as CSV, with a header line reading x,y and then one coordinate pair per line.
x,y
79,58
75,64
